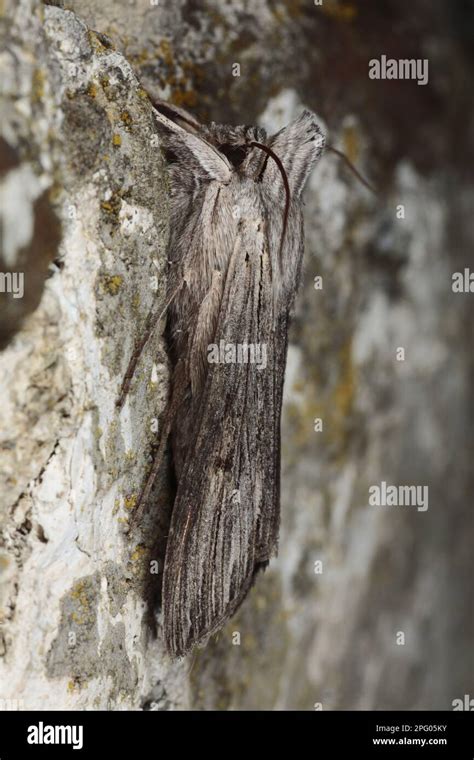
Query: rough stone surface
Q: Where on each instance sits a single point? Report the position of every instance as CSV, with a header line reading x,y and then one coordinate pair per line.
x,y
79,129
74,608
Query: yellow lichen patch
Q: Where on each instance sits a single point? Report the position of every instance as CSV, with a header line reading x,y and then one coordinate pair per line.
x,y
332,402
112,284
97,44
294,9
344,391
152,383
340,403
83,614
126,118
139,58
279,15
250,643
181,94
184,98
286,614
142,93
351,143
165,51
116,140
79,592
298,386
216,18
301,418
138,560
339,11
192,71
138,553
54,193
92,89
112,205
260,602
38,85
130,502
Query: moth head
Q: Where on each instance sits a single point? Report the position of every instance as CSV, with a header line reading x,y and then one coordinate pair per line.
x,y
235,143
235,146
218,151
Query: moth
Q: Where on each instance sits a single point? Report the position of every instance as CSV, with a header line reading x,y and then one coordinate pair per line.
x,y
235,251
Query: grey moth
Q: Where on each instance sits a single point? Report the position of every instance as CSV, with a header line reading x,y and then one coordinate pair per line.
x,y
235,251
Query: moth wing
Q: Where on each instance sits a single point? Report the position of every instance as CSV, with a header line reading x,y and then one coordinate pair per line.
x,y
226,514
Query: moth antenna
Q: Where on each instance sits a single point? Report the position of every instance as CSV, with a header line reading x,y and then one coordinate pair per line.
x,y
351,166
167,111
152,320
284,176
151,477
